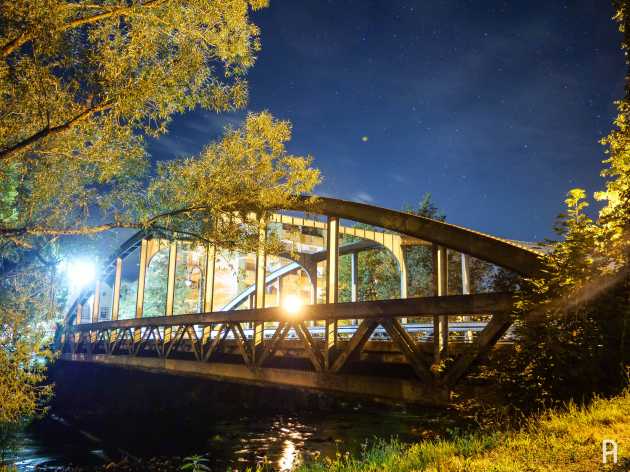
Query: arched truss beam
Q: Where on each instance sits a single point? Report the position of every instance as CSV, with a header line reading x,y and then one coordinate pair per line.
x,y
299,261
508,254
502,252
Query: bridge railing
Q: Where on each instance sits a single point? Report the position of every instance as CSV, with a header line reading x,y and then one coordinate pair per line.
x,y
253,337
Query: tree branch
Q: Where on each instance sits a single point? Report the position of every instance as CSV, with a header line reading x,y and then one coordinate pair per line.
x,y
25,37
48,131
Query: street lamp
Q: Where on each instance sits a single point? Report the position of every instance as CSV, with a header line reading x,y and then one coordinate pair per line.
x,y
80,272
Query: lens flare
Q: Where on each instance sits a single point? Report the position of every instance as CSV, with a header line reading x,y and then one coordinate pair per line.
x,y
292,304
80,273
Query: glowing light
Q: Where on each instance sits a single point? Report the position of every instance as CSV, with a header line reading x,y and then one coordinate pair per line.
x,y
364,139
292,304
287,461
80,273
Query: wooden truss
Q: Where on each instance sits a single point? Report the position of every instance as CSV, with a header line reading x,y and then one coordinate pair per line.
x,y
205,338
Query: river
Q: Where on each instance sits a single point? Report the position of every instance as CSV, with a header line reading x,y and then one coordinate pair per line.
x,y
241,441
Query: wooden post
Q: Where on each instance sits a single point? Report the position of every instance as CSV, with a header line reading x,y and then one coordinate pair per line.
x,y
261,262
137,335
209,283
399,253
354,276
208,288
116,297
170,288
96,303
354,279
466,282
95,308
332,282
116,289
440,323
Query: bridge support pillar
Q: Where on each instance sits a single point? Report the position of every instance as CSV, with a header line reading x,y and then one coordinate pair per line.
x,y
258,336
332,281
465,278
116,289
170,288
144,248
354,279
440,323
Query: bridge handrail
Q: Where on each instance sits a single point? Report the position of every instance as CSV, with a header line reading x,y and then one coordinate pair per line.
x,y
485,303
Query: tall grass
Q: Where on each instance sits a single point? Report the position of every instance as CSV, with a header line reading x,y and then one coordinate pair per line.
x,y
561,440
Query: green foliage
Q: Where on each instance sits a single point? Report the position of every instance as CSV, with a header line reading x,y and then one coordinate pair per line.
x,y
420,258
568,440
27,302
572,323
195,464
83,83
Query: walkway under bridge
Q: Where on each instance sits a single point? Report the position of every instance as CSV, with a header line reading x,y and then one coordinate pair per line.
x,y
362,300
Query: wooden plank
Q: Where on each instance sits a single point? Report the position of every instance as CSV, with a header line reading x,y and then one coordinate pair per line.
x,y
96,306
116,289
170,286
261,266
208,286
332,286
356,343
194,342
388,388
281,332
493,331
440,322
309,346
143,341
241,341
179,334
409,348
476,304
222,332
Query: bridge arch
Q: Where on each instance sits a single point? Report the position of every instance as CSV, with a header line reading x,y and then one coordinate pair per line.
x,y
202,330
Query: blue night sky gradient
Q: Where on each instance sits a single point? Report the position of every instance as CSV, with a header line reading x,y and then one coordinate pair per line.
x,y
494,107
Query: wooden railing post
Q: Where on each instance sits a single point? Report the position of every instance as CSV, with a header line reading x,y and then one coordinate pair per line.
x,y
465,259
208,293
259,302
440,323
170,288
332,292
96,303
354,279
137,334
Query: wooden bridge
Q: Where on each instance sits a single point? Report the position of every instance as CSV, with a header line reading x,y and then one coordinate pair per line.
x,y
329,314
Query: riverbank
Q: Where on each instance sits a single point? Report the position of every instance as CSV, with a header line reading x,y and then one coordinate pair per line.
x,y
570,441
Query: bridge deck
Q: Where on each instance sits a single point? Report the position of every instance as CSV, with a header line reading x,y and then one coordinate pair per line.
x,y
377,356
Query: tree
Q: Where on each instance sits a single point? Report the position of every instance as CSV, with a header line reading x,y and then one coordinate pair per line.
x,y
573,322
25,300
420,258
82,85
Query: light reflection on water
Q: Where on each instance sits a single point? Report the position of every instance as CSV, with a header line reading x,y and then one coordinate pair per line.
x,y
243,441
287,461
286,442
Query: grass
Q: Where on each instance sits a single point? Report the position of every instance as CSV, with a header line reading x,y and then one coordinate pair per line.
x,y
568,441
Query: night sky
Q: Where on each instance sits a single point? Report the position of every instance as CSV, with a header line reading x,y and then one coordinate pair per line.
x,y
495,107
